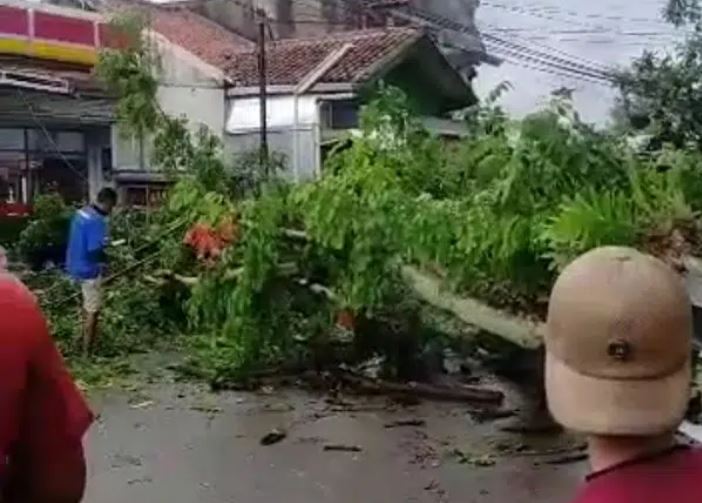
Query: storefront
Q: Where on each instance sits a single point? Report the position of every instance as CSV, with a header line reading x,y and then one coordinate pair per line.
x,y
36,161
52,143
55,117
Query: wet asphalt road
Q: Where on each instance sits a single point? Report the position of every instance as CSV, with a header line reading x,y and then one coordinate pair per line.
x,y
178,443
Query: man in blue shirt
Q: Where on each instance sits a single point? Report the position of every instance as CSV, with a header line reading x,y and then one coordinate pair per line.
x,y
85,258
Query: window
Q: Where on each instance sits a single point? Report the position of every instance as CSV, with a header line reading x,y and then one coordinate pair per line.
x,y
11,139
66,142
36,161
144,196
340,114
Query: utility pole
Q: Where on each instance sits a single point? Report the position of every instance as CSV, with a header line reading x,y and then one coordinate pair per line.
x,y
263,93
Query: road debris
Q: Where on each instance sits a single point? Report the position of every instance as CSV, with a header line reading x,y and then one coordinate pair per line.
x,y
273,437
342,448
565,460
142,405
470,394
485,415
418,423
479,460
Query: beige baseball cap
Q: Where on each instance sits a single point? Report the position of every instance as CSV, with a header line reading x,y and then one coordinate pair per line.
x,y
618,345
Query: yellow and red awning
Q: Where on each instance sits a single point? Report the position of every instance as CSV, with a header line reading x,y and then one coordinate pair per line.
x,y
51,34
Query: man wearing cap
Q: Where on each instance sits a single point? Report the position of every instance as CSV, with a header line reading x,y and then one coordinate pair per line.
x,y
618,369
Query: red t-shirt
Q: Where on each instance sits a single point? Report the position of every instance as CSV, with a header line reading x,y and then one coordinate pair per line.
x,y
42,413
672,477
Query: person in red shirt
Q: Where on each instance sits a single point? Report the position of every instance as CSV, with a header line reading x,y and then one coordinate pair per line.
x,y
618,369
43,417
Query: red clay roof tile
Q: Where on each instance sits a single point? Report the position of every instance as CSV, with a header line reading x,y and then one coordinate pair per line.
x,y
204,38
289,61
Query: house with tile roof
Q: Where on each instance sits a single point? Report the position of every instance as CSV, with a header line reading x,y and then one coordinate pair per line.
x,y
194,52
305,18
210,75
57,122
315,87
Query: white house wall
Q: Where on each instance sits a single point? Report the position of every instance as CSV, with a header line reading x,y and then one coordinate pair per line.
x,y
189,88
295,139
280,142
245,113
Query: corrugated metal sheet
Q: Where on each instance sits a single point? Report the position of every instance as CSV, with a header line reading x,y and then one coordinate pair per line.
x,y
27,107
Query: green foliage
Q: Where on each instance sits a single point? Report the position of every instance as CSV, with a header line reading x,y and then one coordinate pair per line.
x,y
248,175
130,73
45,237
507,207
487,116
498,213
588,220
357,210
10,230
681,12
136,316
239,306
660,92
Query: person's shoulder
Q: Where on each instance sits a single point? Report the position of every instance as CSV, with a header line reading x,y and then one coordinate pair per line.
x,y
14,293
693,456
21,321
675,474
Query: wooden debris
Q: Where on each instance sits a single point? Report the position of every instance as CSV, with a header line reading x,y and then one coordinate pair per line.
x,y
565,460
485,415
274,437
470,394
342,448
417,423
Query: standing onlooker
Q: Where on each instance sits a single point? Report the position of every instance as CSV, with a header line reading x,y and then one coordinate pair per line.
x,y
618,369
86,260
43,417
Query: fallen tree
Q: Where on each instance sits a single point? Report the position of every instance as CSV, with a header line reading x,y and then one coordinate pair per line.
x,y
516,330
500,212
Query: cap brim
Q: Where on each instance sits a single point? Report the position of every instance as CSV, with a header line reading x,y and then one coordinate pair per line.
x,y
616,407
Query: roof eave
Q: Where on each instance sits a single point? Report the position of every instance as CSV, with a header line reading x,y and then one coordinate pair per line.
x,y
273,90
388,62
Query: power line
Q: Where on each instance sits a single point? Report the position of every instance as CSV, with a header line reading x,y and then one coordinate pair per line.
x,y
547,58
563,69
587,66
556,60
555,64
548,17
552,71
566,65
48,136
571,13
563,53
537,65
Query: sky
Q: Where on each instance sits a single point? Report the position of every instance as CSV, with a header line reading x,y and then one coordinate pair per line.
x,y
595,33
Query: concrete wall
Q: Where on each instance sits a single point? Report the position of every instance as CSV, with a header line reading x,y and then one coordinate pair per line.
x,y
96,141
238,16
301,149
280,142
189,88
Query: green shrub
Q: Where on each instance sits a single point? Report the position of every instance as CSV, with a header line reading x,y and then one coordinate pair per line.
x,y
589,220
10,230
45,237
